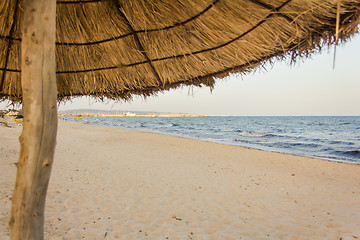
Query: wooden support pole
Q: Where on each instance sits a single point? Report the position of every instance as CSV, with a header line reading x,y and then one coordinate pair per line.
x,y
38,137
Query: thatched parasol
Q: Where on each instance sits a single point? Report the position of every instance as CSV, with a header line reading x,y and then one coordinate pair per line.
x,y
117,49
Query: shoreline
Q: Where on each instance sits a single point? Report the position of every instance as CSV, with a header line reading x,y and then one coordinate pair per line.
x,y
136,116
114,183
261,148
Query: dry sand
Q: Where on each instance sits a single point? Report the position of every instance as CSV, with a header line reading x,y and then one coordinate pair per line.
x,y
111,183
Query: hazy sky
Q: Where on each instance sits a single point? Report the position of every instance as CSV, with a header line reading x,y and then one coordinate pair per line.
x,y
311,87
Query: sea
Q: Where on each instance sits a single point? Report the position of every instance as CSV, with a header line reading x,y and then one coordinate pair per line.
x,y
328,138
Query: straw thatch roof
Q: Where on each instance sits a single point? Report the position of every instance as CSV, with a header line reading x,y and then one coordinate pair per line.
x,y
117,48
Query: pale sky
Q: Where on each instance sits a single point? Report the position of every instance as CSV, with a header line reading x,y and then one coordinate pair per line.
x,y
311,87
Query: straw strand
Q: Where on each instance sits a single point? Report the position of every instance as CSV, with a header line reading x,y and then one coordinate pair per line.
x,y
124,35
337,29
264,5
140,46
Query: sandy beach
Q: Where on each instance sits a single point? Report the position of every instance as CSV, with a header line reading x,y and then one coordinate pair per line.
x,y
110,183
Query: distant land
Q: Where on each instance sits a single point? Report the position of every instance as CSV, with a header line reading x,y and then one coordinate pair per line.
x,y
121,113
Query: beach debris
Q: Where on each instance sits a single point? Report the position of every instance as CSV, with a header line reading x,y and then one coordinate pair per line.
x,y
5,124
10,118
176,218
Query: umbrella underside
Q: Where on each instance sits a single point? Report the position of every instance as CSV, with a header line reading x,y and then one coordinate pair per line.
x,y
117,48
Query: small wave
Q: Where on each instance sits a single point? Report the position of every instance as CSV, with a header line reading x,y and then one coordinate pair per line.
x,y
317,124
240,141
306,145
334,142
250,134
215,130
137,125
354,153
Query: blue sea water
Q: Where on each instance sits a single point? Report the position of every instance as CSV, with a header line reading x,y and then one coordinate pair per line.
x,y
330,138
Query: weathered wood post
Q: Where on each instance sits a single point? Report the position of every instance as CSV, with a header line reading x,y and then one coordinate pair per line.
x,y
38,137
